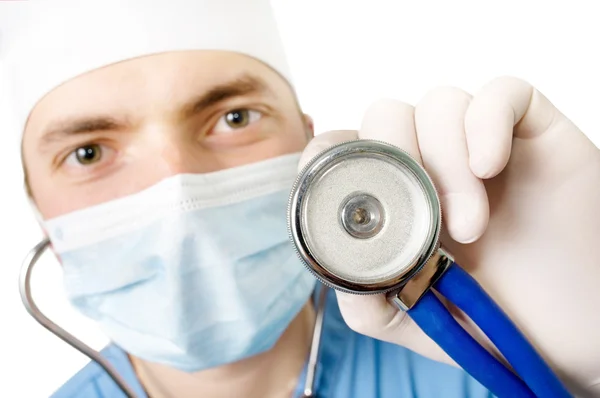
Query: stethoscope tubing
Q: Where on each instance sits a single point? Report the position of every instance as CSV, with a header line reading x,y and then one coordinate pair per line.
x,y
464,291
26,296
437,322
535,379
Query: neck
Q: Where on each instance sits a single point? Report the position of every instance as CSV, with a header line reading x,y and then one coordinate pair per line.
x,y
273,373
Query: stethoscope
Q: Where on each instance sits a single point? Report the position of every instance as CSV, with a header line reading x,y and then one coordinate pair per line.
x,y
365,218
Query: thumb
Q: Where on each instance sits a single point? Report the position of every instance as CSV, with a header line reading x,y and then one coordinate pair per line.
x,y
375,317
323,141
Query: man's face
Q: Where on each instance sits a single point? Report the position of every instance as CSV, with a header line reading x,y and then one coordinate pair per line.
x,y
117,130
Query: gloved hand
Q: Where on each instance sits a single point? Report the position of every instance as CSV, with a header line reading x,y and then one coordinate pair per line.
x,y
520,191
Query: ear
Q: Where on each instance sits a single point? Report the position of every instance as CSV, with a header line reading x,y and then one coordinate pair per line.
x,y
310,126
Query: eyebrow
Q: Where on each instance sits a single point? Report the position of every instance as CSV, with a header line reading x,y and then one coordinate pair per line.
x,y
60,130
240,86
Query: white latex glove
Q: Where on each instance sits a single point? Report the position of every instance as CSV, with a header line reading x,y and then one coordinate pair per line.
x,y
520,191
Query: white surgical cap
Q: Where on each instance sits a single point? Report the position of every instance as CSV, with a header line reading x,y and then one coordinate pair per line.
x,y
57,40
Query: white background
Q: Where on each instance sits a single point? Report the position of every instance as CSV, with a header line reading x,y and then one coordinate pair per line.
x,y
343,56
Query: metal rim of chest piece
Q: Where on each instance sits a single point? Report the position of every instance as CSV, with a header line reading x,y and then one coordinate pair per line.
x,y
361,214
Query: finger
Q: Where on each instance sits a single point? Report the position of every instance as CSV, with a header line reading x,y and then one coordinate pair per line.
x,y
391,121
506,107
439,120
489,123
324,141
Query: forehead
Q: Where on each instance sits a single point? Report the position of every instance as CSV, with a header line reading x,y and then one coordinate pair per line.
x,y
160,81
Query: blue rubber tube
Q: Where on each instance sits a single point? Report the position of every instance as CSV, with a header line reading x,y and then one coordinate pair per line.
x,y
436,321
464,291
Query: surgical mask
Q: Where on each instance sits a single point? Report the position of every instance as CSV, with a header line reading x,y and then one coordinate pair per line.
x,y
194,272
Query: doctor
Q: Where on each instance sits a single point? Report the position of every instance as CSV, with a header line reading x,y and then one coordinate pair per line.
x,y
160,141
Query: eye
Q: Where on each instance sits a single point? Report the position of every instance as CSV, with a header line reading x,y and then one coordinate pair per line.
x,y
85,155
236,119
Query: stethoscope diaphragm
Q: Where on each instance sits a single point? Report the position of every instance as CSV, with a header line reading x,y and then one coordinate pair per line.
x,y
364,216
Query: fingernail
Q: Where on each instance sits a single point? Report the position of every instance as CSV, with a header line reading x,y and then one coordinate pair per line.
x,y
463,216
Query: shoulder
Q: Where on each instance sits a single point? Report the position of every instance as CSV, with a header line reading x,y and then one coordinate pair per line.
x,y
359,366
93,382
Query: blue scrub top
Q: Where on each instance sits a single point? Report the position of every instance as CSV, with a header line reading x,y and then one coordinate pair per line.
x,y
350,366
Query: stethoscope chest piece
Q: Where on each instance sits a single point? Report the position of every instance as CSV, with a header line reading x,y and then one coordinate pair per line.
x,y
364,217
